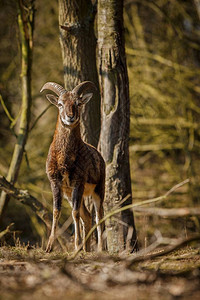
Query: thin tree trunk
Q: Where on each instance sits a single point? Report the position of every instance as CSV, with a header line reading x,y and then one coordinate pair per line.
x,y
114,139
25,23
78,44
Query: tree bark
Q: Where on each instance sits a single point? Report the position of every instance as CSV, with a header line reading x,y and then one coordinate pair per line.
x,y
78,44
25,23
114,138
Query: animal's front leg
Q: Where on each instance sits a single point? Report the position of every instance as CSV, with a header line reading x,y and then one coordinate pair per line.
x,y
76,202
57,201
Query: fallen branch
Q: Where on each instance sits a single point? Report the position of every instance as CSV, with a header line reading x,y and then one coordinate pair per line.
x,y
7,230
169,212
75,279
25,198
180,243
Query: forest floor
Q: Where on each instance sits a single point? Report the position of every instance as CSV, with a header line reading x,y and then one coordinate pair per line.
x,y
31,273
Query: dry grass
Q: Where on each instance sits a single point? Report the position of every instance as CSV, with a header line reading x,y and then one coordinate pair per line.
x,y
26,273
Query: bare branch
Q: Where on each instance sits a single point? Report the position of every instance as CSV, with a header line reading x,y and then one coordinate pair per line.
x,y
40,115
169,212
6,109
7,230
24,197
180,243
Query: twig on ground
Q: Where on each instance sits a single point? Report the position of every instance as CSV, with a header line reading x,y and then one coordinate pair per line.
x,y
74,279
179,243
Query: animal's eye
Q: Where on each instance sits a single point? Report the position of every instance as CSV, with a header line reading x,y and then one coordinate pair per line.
x,y
60,105
78,103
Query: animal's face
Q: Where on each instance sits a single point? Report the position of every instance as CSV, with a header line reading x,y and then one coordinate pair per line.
x,y
69,106
69,103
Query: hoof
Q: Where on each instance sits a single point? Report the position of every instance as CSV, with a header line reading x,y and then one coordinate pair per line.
x,y
49,245
100,248
48,249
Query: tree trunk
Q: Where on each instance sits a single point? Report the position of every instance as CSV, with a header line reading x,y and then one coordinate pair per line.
x,y
114,138
78,44
25,23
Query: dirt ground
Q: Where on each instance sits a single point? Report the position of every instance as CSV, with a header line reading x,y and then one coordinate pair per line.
x,y
31,273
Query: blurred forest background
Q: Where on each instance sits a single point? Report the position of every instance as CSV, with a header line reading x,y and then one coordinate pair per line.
x,y
163,57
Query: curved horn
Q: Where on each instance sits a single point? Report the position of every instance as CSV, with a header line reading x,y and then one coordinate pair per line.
x,y
56,88
83,86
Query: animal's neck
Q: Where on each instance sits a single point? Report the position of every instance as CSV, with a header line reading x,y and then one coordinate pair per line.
x,y
68,138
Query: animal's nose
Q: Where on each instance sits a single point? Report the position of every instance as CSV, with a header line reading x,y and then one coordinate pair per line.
x,y
71,117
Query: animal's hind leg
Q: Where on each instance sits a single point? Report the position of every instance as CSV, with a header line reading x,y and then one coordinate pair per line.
x,y
76,218
98,202
87,224
98,197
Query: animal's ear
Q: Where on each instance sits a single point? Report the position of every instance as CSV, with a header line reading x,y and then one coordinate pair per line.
x,y
86,98
52,98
